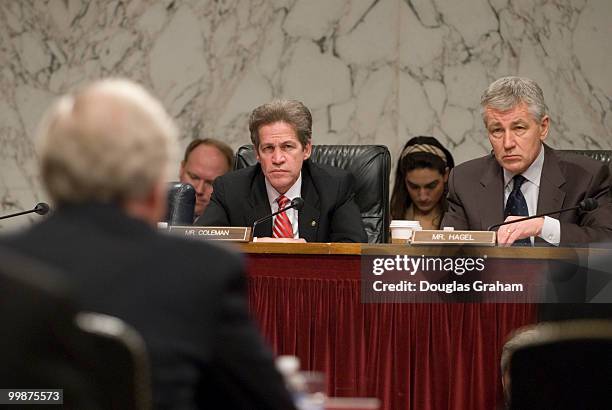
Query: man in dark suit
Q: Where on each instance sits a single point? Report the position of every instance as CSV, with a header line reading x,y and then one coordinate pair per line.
x,y
281,134
104,156
523,176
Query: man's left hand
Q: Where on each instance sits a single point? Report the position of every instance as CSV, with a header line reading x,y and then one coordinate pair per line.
x,y
507,234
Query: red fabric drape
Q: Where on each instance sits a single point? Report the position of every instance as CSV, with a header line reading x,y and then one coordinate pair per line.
x,y
411,356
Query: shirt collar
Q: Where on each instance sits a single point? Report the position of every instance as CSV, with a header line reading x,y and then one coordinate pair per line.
x,y
294,192
532,174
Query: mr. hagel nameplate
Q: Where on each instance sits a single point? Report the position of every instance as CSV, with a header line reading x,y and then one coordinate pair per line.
x,y
481,238
213,233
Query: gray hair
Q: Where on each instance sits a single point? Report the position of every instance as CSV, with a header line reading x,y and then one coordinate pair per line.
x,y
291,112
508,92
107,142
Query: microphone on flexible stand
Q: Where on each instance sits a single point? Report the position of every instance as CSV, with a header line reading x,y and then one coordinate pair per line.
x,y
586,205
297,203
41,208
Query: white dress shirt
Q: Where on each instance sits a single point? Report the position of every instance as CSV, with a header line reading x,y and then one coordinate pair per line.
x,y
294,192
551,230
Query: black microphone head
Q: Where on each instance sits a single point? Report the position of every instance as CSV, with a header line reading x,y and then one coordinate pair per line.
x,y
297,203
41,208
588,204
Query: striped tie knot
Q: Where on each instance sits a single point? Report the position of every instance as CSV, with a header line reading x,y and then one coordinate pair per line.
x,y
283,201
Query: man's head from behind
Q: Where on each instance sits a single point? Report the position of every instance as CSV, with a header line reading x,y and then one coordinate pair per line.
x,y
205,160
109,142
281,132
516,119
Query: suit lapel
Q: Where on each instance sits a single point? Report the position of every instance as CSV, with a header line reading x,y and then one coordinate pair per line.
x,y
308,217
550,197
259,205
491,196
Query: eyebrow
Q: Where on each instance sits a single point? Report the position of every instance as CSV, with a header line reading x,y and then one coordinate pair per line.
x,y
435,181
194,175
279,143
515,122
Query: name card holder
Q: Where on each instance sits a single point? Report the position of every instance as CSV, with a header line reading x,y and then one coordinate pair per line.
x,y
212,233
432,237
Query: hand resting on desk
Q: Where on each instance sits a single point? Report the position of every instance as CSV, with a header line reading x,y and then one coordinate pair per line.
x,y
507,234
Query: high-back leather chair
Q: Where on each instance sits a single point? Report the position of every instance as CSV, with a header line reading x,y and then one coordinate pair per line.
x,y
370,166
604,156
562,365
181,204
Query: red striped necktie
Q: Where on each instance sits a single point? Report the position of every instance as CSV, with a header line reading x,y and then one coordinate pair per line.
x,y
282,225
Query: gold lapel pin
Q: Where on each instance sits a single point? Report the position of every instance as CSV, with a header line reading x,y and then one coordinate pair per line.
x,y
313,223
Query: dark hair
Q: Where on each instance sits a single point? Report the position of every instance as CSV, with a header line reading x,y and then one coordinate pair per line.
x,y
432,156
292,112
220,145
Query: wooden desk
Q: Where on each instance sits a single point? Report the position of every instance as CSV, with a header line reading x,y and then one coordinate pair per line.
x,y
306,299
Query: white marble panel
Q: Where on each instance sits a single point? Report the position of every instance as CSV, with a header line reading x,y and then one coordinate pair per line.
x,y
372,71
313,19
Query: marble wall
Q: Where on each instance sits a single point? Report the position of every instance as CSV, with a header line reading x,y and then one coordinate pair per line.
x,y
372,71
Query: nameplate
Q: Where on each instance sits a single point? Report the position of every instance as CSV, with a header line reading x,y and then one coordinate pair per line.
x,y
213,233
480,238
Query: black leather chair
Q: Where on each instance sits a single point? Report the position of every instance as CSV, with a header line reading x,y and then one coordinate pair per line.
x,y
121,364
181,204
562,365
47,344
369,164
604,156
41,348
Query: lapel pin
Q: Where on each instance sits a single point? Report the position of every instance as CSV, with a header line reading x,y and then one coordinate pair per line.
x,y
313,223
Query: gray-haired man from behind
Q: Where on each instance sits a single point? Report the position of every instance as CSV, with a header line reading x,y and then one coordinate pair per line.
x,y
104,153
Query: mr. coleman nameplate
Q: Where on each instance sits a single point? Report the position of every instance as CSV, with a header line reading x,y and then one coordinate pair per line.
x,y
214,233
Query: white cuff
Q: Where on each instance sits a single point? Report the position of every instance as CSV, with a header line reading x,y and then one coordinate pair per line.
x,y
551,231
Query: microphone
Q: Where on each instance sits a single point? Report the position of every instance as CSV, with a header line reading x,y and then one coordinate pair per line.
x,y
41,208
586,205
297,203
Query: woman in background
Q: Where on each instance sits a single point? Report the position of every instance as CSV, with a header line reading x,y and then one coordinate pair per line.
x,y
420,182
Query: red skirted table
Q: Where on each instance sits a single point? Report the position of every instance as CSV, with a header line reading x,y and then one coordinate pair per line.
x,y
306,300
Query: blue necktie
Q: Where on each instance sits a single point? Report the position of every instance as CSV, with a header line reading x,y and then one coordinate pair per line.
x,y
517,205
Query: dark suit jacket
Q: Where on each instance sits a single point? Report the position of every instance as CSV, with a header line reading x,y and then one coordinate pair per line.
x,y
330,213
476,196
186,298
